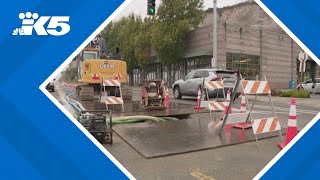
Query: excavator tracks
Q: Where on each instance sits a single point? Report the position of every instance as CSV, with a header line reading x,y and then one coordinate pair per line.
x,y
85,92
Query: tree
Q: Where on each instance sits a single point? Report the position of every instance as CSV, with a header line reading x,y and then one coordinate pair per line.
x,y
175,19
130,34
163,34
143,46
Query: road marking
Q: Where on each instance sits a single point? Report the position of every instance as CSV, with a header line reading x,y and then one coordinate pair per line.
x,y
197,174
270,112
287,109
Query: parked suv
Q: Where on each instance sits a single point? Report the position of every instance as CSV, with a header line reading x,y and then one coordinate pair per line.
x,y
188,86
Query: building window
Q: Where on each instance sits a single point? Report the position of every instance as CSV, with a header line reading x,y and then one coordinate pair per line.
x,y
247,65
198,63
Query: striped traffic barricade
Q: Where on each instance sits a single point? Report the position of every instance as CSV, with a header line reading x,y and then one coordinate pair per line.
x,y
111,100
255,87
114,100
266,125
108,82
263,125
259,126
230,118
212,86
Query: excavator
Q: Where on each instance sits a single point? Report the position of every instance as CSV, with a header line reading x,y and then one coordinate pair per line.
x,y
95,64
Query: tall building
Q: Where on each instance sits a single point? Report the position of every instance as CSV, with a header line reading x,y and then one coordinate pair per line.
x,y
248,42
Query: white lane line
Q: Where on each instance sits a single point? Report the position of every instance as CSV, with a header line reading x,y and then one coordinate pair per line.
x,y
287,109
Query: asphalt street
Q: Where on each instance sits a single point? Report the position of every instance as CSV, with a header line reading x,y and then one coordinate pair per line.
x,y
239,162
242,161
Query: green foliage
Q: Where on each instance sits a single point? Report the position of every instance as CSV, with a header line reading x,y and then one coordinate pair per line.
x,y
175,19
129,34
70,75
161,35
295,93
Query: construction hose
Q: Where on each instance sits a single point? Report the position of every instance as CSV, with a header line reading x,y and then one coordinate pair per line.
x,y
126,122
138,118
74,104
119,120
78,104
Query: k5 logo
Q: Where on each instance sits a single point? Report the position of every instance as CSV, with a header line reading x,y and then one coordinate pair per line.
x,y
57,25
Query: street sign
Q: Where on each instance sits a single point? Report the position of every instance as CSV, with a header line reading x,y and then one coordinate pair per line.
x,y
303,57
302,66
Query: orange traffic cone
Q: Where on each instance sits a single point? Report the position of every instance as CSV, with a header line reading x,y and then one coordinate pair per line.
x,y
167,98
243,105
292,129
243,109
198,103
228,103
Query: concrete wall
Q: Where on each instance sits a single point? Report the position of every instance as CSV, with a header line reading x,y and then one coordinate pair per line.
x,y
247,29
244,28
200,40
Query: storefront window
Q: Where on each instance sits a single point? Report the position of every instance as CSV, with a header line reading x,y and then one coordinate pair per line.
x,y
247,65
198,63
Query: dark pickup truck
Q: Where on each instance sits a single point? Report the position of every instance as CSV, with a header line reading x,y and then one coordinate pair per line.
x,y
50,86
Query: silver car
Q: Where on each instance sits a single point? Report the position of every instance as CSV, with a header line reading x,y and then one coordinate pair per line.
x,y
189,85
307,85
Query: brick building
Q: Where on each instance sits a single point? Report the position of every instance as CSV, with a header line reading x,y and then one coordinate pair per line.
x,y
249,42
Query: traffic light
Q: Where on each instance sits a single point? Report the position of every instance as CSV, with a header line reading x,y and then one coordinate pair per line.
x,y
151,7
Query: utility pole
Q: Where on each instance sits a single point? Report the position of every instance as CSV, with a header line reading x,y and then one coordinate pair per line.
x,y
214,35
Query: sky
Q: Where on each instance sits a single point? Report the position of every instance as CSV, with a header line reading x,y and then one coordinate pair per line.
x,y
140,6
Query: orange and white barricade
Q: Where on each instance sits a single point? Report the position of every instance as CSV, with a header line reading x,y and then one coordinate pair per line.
x,y
108,99
265,125
255,87
214,85
114,100
214,105
262,125
259,126
107,82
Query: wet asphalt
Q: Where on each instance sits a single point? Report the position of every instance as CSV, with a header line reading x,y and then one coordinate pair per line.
x,y
241,161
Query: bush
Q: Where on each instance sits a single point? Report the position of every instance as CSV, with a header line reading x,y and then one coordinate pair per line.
x,y
295,93
275,92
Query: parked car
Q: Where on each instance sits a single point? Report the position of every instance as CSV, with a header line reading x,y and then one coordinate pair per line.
x,y
50,86
307,85
188,86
